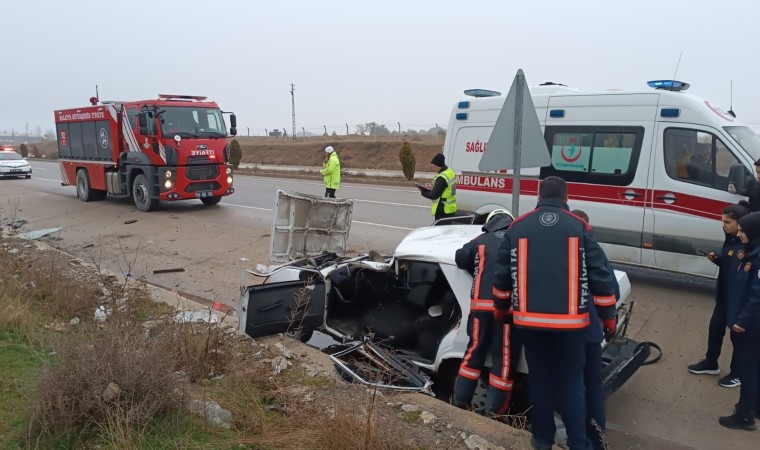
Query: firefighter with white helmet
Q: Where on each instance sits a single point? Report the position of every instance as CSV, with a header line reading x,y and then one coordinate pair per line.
x,y
489,325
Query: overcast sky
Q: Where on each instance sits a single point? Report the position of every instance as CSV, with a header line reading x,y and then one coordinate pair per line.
x,y
353,62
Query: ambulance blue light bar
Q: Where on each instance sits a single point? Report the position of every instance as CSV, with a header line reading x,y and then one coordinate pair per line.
x,y
557,113
481,93
461,116
670,112
463,105
668,85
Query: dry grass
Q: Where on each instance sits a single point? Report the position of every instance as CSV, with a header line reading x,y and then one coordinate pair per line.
x,y
102,376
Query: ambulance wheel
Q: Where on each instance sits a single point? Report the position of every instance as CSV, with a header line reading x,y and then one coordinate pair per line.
x,y
84,191
141,194
211,201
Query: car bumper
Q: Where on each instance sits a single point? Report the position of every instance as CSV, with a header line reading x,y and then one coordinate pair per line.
x,y
15,172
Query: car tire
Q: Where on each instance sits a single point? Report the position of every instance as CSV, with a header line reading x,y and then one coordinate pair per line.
x,y
211,201
84,191
141,194
27,176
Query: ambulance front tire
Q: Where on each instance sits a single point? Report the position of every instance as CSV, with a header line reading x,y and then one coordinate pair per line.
x,y
84,190
211,201
141,194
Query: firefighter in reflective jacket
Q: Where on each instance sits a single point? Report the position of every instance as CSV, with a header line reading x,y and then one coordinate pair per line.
x,y
551,268
489,324
443,191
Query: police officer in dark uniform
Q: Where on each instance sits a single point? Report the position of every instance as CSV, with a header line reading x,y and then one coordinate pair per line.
x,y
731,256
552,269
743,314
489,324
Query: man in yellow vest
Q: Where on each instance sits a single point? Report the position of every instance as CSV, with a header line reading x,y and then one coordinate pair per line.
x,y
331,172
443,191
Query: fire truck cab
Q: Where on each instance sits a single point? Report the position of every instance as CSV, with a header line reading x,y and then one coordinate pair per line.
x,y
172,148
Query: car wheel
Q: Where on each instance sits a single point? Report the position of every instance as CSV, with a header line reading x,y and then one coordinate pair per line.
x,y
141,194
211,201
27,176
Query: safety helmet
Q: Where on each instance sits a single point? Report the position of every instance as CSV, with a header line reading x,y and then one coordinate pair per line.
x,y
499,211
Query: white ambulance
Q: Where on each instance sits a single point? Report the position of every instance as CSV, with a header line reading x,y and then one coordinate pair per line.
x,y
653,168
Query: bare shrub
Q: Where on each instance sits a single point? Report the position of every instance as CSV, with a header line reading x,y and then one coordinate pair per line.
x,y
103,375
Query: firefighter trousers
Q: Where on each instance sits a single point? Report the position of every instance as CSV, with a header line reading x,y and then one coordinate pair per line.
x,y
494,337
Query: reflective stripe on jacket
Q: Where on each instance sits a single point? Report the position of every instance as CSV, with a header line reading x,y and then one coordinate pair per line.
x,y
449,196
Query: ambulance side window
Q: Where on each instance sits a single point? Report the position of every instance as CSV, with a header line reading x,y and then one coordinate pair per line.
x,y
697,157
598,155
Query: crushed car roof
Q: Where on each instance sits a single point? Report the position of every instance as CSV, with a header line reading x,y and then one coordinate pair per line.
x,y
438,243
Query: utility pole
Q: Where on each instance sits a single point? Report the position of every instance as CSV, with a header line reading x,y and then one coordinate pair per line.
x,y
399,127
27,131
266,132
325,126
293,106
303,130
347,133
249,130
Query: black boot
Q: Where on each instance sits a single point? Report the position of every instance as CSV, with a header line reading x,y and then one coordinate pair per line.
x,y
736,422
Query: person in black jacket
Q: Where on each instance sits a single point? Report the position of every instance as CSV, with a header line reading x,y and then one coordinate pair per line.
x,y
596,421
489,325
731,256
743,311
552,269
443,191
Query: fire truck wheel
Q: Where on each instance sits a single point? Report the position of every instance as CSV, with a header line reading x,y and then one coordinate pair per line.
x,y
84,190
211,201
141,194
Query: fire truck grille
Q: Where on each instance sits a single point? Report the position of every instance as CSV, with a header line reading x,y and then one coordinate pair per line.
x,y
202,172
202,186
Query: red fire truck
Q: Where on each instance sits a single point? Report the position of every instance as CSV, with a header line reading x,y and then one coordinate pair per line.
x,y
172,148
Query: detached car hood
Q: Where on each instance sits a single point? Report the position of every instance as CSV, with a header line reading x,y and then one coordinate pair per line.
x,y
306,226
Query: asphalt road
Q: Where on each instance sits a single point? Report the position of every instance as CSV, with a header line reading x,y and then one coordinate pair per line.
x,y
213,245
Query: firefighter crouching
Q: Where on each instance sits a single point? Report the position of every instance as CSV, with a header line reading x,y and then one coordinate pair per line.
x,y
489,324
551,267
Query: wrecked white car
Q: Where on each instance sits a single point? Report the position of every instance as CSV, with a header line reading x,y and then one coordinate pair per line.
x,y
400,319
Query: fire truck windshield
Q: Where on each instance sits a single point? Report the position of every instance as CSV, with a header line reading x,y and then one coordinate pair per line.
x,y
189,122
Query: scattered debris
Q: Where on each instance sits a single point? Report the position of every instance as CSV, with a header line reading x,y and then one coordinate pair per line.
x,y
74,322
475,442
102,313
244,259
196,317
211,411
89,245
127,222
261,268
37,234
409,408
427,418
18,224
13,251
111,392
279,363
285,352
176,269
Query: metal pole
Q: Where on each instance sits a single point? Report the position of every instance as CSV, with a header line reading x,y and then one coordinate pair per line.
x,y
517,153
347,130
249,130
304,131
325,126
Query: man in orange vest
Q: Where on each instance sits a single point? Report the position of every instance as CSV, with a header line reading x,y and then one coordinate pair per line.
x,y
553,270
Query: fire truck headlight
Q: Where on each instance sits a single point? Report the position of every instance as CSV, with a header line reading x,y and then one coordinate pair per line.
x,y
168,174
229,179
168,184
229,171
